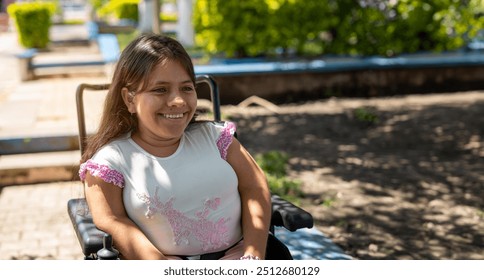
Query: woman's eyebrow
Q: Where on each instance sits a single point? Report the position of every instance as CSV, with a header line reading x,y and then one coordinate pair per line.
x,y
157,83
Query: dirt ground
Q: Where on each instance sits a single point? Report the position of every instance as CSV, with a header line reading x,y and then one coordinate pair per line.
x,y
405,183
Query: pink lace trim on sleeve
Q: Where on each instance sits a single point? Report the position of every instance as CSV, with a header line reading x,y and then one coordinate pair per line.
x,y
107,174
225,139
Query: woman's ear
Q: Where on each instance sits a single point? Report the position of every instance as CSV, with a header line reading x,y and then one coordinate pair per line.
x,y
128,97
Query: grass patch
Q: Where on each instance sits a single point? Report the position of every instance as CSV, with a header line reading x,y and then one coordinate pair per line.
x,y
366,115
480,213
274,164
328,202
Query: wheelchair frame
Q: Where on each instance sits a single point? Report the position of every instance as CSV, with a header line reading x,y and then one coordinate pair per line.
x,y
94,242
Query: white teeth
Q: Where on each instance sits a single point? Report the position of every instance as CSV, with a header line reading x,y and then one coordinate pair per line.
x,y
173,116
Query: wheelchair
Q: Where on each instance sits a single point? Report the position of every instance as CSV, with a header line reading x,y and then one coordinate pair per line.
x,y
96,244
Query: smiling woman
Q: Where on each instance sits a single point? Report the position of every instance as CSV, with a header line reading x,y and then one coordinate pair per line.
x,y
164,185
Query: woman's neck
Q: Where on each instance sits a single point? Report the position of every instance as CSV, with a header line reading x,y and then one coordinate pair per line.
x,y
157,147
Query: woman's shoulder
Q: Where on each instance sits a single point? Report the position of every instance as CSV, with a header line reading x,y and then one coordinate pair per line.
x,y
113,147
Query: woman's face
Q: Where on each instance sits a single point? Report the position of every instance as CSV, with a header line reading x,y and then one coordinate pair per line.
x,y
167,105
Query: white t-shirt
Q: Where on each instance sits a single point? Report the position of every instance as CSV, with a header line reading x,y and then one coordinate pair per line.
x,y
187,203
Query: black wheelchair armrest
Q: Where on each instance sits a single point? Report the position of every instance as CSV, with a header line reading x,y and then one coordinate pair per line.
x,y
288,215
90,237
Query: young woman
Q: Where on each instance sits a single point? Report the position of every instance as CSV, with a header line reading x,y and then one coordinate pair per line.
x,y
163,185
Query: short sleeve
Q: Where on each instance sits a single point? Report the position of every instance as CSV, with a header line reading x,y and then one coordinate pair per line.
x,y
227,131
102,165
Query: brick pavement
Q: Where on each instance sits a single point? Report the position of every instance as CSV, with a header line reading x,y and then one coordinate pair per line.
x,y
34,222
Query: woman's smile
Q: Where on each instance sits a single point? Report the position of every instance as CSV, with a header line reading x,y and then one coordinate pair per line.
x,y
173,116
177,116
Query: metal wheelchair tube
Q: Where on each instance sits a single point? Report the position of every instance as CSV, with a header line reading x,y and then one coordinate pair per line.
x,y
80,110
214,94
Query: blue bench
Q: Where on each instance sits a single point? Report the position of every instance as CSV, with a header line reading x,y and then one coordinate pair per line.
x,y
310,244
108,48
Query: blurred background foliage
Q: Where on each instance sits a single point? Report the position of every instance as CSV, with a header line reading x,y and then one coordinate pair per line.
x,y
250,28
121,9
32,21
125,9
310,28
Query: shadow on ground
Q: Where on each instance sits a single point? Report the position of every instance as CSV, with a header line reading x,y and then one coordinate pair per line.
x,y
386,183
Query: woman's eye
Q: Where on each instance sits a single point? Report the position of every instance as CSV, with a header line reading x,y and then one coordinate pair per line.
x,y
187,89
160,90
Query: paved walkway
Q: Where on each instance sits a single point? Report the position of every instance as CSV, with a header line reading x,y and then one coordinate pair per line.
x,y
33,217
34,222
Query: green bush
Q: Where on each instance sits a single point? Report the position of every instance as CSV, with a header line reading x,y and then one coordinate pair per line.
x,y
293,25
32,21
315,27
121,9
237,28
406,26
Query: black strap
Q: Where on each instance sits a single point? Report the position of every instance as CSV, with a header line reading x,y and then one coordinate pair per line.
x,y
212,256
208,256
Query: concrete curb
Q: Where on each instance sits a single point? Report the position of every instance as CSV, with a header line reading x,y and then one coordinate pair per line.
x,y
39,168
29,145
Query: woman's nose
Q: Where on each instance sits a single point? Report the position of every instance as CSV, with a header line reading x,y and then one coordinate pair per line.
x,y
176,99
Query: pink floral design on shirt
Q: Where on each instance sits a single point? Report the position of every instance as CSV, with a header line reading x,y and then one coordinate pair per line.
x,y
102,171
211,234
225,139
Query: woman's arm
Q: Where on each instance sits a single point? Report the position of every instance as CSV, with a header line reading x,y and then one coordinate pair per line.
x,y
255,199
105,201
